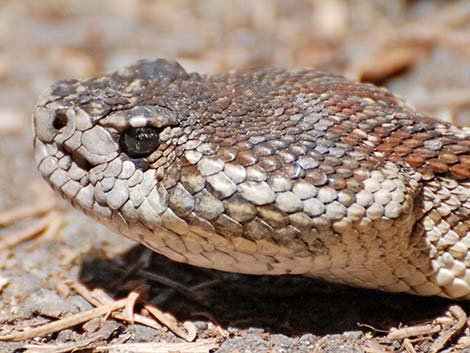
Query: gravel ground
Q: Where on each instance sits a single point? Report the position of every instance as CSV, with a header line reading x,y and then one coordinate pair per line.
x,y
418,48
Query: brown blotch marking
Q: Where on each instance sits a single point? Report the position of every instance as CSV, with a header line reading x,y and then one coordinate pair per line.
x,y
242,144
426,152
402,150
457,149
227,154
394,158
401,135
415,160
385,148
337,182
339,130
393,140
438,166
351,139
448,158
460,171
465,161
270,163
381,131
413,143
247,158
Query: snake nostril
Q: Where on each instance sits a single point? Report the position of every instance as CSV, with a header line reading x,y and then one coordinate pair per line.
x,y
60,120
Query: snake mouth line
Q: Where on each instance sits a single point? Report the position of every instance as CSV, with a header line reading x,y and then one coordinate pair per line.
x,y
81,162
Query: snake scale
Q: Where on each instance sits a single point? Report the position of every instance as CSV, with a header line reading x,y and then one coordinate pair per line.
x,y
265,171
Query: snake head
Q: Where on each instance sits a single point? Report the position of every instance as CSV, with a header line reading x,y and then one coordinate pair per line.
x,y
108,144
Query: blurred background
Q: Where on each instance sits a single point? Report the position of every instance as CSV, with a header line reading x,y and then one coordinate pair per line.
x,y
421,49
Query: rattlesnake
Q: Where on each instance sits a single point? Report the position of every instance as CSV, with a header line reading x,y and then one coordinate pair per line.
x,y
265,171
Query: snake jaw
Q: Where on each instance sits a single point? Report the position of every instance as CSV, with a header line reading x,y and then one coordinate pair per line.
x,y
79,153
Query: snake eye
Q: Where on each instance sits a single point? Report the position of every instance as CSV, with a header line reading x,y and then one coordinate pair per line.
x,y
140,142
60,120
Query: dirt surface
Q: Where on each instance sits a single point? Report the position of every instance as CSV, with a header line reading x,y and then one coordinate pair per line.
x,y
52,257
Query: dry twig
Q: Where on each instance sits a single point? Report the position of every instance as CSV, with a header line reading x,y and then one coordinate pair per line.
x,y
413,331
408,346
193,347
60,348
15,238
64,323
18,213
91,297
459,325
172,323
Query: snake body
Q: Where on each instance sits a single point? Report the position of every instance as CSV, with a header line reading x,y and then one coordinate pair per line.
x,y
265,171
